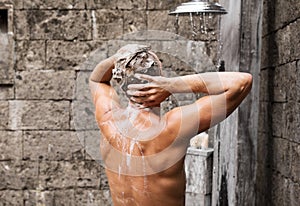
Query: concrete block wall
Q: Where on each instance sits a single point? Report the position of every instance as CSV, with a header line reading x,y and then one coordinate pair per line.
x,y
278,168
46,116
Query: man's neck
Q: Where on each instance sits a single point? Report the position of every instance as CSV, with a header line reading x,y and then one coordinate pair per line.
x,y
154,110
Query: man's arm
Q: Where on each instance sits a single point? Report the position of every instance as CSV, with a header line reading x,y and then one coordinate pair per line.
x,y
102,73
225,90
104,96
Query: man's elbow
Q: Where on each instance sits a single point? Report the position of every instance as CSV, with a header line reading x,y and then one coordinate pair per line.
x,y
244,84
247,81
241,86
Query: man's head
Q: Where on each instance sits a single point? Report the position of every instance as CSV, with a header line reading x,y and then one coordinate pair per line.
x,y
133,59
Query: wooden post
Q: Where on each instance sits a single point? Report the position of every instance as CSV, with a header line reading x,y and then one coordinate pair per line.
x,y
236,138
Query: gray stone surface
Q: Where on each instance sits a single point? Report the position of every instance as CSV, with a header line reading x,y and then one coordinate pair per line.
x,y
159,20
107,24
30,55
278,119
281,13
93,197
285,83
288,190
4,114
22,29
31,197
91,140
281,85
65,55
54,4
292,119
286,12
294,193
66,174
6,92
36,115
295,42
10,145
47,84
11,197
60,24
167,4
134,21
76,197
59,36
82,86
83,116
287,40
131,5
264,85
281,156
283,41
263,117
95,57
279,186
17,4
294,152
52,145
279,165
18,175
269,52
101,4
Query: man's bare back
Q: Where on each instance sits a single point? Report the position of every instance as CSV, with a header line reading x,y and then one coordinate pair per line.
x,y
166,187
144,155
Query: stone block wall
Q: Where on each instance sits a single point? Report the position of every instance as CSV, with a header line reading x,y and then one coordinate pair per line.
x,y
278,168
48,135
47,128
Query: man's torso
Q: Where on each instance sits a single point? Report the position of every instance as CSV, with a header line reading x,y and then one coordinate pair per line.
x,y
162,181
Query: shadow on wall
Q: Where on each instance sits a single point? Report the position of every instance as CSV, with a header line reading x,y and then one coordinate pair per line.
x,y
264,194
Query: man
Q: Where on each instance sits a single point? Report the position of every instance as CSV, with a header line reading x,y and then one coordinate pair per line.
x,y
143,151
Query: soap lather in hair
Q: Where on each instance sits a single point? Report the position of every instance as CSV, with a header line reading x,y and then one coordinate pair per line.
x,y
141,61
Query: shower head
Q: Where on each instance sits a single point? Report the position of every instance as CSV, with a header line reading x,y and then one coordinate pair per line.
x,y
198,6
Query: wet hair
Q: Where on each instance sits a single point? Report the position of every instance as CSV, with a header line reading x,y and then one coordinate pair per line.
x,y
143,61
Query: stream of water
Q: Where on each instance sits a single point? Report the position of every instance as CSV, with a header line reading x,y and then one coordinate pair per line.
x,y
204,27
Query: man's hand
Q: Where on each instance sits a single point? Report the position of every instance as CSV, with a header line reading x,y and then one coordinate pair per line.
x,y
150,94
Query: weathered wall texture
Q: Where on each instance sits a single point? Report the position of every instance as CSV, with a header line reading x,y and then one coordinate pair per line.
x,y
42,139
278,175
44,126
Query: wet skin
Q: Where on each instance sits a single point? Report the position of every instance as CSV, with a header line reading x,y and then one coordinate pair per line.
x,y
165,185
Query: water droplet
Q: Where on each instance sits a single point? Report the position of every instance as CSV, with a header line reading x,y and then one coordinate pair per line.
x,y
194,31
205,22
201,23
176,25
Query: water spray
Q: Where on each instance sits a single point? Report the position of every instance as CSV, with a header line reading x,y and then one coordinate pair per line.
x,y
201,14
